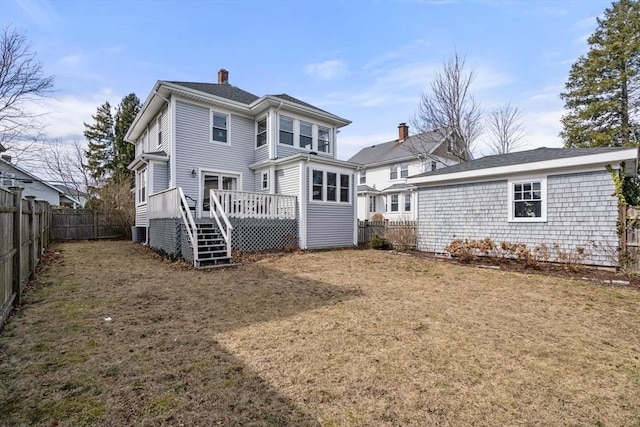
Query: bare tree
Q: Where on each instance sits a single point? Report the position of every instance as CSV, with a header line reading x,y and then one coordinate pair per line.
x,y
22,85
506,130
66,164
449,108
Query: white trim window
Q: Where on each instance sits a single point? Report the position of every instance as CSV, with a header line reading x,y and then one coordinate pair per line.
x,y
324,141
393,206
219,127
306,135
142,186
407,202
404,170
265,180
159,125
372,204
261,132
363,176
330,186
286,131
528,200
393,172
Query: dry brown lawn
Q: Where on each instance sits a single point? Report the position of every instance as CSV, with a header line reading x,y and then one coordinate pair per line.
x,y
340,338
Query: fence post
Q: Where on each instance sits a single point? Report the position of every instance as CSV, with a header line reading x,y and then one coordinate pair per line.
x,y
33,259
17,243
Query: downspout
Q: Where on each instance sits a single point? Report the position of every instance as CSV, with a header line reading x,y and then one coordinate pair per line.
x,y
274,141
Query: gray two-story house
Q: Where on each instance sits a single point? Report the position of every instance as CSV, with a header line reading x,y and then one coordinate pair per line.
x,y
220,168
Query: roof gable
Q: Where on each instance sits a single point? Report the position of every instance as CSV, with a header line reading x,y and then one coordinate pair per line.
x,y
390,151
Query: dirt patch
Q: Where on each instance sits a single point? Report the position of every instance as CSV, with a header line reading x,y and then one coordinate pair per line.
x,y
111,334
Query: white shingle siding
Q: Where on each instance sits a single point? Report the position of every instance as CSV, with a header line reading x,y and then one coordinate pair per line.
x,y
581,211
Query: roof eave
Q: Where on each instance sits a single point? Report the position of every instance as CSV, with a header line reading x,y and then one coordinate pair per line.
x,y
273,101
593,161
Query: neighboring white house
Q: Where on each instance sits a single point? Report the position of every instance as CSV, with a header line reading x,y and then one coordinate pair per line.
x,y
13,176
384,168
560,197
233,156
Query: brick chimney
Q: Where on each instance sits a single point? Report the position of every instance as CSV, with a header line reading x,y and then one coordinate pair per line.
x,y
403,131
223,76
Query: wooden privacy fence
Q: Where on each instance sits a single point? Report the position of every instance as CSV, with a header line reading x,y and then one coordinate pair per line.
x,y
401,234
81,224
629,234
25,226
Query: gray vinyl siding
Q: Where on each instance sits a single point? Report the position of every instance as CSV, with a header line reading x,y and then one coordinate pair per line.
x,y
288,150
581,212
194,149
166,133
141,216
160,176
261,153
288,181
329,225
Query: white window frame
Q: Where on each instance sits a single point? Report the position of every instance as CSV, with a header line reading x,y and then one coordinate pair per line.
x,y
372,204
159,125
301,135
265,180
404,170
265,132
141,186
227,119
328,130
511,205
393,171
407,198
292,132
324,185
363,176
390,200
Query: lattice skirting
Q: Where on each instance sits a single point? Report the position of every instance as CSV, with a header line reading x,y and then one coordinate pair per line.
x,y
164,235
255,234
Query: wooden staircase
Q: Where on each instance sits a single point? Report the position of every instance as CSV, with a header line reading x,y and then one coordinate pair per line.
x,y
212,249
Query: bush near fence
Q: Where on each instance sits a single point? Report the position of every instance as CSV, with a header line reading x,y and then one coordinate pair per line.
x,y
401,234
25,226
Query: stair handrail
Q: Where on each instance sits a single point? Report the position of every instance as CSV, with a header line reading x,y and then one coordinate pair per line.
x,y
189,222
216,211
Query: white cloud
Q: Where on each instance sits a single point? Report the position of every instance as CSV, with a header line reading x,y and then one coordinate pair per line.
x,y
327,70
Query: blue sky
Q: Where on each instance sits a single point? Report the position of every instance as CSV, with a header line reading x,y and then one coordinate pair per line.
x,y
363,60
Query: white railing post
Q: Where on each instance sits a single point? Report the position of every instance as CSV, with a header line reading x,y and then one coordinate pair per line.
x,y
216,212
189,223
243,204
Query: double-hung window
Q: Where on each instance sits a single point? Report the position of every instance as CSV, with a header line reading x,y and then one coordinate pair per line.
x,y
393,203
407,202
363,176
404,170
286,130
372,204
142,186
265,180
261,132
159,124
332,186
393,172
318,185
323,139
528,200
219,128
344,188
306,135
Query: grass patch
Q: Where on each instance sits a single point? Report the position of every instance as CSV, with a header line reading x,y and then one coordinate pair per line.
x,y
344,338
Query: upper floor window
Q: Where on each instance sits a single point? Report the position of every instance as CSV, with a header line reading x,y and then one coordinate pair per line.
x,y
363,176
393,172
404,170
261,133
434,165
219,128
527,200
323,139
159,124
407,202
286,130
306,135
330,186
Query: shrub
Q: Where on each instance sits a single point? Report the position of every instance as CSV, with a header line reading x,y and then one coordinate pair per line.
x,y
380,243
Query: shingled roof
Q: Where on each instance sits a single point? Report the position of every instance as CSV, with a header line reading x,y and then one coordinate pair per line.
x,y
520,157
395,150
223,90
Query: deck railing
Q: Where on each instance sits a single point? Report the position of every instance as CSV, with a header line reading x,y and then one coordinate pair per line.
x,y
164,204
218,214
243,204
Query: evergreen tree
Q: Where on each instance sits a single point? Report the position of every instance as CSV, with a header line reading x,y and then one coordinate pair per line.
x,y
124,152
100,138
603,89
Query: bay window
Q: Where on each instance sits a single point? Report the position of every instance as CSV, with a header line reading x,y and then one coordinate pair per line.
x,y
330,186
